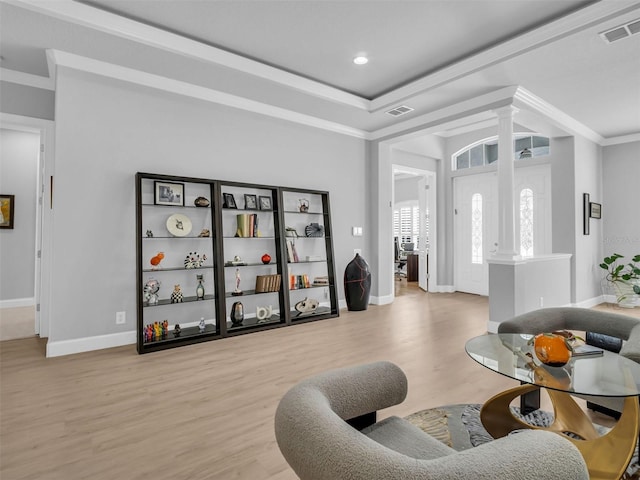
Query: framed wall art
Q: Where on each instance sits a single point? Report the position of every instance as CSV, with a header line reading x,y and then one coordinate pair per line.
x,y
168,193
7,208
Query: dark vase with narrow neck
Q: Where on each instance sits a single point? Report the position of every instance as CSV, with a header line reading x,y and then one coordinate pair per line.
x,y
357,284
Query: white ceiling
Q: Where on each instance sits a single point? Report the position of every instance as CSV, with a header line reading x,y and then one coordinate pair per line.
x,y
296,55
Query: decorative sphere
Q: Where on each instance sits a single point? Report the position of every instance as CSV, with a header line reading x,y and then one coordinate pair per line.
x,y
266,258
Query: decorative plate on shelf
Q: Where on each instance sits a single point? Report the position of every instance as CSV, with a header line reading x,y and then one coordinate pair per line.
x,y
314,230
179,225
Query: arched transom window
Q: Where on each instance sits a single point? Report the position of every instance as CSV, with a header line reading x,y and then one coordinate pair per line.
x,y
485,152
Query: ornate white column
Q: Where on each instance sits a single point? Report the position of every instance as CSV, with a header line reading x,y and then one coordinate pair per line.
x,y
506,198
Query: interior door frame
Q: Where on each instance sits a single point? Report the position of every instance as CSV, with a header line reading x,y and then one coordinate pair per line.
x,y
427,265
44,213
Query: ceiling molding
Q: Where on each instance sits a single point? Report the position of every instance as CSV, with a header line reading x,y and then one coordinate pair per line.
x,y
59,58
21,78
112,24
525,99
543,35
634,137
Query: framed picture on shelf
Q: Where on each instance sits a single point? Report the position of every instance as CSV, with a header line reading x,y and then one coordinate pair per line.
x,y
229,201
596,210
265,203
250,202
7,207
168,193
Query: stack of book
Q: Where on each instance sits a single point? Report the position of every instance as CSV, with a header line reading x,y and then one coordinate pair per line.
x,y
321,280
247,225
268,283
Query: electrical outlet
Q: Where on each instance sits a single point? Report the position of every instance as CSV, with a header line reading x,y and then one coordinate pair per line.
x,y
121,318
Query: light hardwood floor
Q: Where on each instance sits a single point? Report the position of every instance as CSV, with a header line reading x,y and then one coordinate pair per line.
x,y
206,411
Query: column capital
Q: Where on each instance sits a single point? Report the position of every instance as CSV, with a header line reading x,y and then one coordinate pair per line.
x,y
508,111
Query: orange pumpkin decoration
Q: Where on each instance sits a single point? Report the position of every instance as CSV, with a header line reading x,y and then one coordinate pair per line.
x,y
552,349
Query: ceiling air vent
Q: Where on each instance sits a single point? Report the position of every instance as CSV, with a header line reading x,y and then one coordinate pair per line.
x,y
623,31
401,110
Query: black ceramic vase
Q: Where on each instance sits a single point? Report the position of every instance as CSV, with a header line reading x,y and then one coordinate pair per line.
x,y
237,314
357,283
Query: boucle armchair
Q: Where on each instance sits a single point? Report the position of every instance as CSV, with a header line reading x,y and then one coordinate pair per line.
x,y
316,440
603,322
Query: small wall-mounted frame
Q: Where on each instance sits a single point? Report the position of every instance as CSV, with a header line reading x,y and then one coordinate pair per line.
x,y
229,201
250,202
7,207
169,193
586,211
265,203
595,210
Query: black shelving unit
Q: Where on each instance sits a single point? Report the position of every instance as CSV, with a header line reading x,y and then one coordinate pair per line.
x,y
244,222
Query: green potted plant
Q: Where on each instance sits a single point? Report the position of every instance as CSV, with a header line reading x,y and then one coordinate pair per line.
x,y
624,278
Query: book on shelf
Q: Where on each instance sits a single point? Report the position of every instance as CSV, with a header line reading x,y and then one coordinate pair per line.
x,y
321,280
247,225
268,283
297,282
292,255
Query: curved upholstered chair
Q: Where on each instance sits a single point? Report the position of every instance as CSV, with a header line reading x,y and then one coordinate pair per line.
x,y
602,322
316,440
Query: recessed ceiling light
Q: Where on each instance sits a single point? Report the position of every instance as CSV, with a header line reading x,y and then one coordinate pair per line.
x,y
360,60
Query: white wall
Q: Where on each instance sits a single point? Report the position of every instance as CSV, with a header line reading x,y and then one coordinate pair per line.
x,y
28,101
18,176
621,187
107,130
588,179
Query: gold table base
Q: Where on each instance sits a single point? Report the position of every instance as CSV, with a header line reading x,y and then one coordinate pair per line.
x,y
606,456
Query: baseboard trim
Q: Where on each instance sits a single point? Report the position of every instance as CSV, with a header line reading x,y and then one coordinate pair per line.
x,y
442,289
18,302
381,300
592,302
87,344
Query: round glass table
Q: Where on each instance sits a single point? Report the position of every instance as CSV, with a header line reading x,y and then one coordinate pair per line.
x,y
605,375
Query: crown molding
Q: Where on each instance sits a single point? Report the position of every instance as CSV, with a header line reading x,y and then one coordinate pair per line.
x,y
525,99
112,24
57,58
545,34
634,137
21,78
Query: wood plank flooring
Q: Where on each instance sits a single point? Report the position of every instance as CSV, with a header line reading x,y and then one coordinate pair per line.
x,y
206,411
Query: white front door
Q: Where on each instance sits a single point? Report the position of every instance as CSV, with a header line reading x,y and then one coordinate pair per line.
x,y
475,231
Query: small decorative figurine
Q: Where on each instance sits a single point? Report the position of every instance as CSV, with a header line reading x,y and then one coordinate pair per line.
x,y
266,258
263,314
150,291
193,260
237,314
176,295
205,233
165,328
202,326
308,305
149,233
157,330
201,202
200,287
155,261
176,330
304,205
237,291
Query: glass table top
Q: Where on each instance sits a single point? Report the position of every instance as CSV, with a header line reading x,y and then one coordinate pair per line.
x,y
609,375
